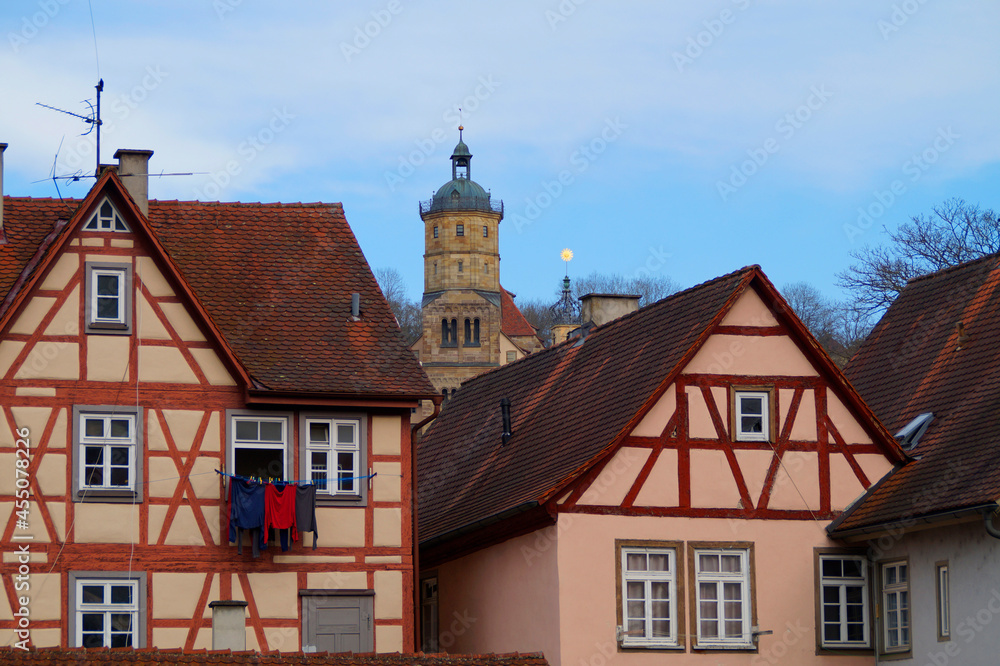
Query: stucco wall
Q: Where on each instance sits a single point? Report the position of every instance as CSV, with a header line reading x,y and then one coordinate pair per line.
x,y
502,599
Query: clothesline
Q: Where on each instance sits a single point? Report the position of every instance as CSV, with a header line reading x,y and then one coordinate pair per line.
x,y
297,481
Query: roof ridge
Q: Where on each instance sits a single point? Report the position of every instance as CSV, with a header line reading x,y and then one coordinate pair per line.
x,y
956,267
269,204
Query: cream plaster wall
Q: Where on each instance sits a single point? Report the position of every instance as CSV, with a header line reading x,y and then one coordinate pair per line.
x,y
30,317
389,638
182,322
503,599
276,594
106,523
783,583
151,276
164,364
51,360
337,580
387,484
61,272
386,434
211,365
67,320
388,595
388,527
341,526
9,351
107,358
149,325
176,595
751,355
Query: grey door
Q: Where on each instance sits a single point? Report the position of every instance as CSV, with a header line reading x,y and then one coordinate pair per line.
x,y
335,623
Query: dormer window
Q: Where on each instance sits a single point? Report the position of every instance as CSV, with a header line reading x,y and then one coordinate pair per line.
x,y
106,218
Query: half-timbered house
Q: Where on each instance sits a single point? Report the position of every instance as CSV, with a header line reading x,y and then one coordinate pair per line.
x,y
147,345
655,488
929,370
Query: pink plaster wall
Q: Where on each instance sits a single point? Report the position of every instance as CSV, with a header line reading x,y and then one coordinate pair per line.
x,y
751,355
655,421
783,581
750,310
617,477
502,599
847,425
661,487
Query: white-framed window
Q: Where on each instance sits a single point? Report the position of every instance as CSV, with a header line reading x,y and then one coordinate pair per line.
x,y
106,218
107,460
722,603
895,607
752,422
259,445
108,305
107,613
943,602
333,456
648,614
843,599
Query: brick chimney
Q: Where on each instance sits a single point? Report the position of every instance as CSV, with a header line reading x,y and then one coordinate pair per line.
x,y
133,169
601,308
3,236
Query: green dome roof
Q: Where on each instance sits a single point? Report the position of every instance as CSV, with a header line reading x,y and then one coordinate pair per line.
x,y
464,187
461,150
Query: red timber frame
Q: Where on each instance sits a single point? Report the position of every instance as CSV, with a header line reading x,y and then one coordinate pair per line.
x,y
217,563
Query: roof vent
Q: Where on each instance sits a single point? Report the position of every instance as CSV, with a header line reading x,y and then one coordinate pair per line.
x,y
505,418
963,335
911,433
355,307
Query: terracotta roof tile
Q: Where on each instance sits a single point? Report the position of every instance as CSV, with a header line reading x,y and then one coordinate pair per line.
x,y
276,279
512,322
911,364
568,403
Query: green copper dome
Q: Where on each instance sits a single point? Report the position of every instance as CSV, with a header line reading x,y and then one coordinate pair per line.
x,y
461,192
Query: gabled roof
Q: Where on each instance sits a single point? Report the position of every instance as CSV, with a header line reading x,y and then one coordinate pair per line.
x,y
917,360
275,280
573,403
68,656
512,322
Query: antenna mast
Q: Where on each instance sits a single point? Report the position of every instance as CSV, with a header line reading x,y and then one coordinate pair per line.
x,y
94,120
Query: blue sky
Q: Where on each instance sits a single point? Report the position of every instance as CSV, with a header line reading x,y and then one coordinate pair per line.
x,y
687,139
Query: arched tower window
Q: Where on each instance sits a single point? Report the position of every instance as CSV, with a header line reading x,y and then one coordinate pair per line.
x,y
475,331
468,331
459,266
444,332
454,331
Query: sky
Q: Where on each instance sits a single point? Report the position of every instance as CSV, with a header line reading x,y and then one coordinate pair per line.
x,y
674,139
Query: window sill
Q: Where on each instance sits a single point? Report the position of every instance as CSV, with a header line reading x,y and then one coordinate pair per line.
x,y
98,495
634,647
723,647
108,329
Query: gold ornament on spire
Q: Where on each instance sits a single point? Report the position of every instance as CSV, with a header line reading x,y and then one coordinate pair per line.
x,y
566,254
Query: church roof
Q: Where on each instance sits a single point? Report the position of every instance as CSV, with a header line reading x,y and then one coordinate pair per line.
x,y
512,321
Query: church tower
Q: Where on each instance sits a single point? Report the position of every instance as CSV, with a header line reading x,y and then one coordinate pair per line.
x,y
470,323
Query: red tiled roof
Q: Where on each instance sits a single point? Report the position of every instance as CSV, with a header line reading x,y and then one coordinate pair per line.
x,y
154,656
275,279
911,364
512,322
569,403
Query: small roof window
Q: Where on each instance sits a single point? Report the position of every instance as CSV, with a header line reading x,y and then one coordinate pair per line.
x,y
911,433
106,218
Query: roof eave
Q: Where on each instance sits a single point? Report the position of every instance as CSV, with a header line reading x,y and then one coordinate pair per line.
x,y
913,523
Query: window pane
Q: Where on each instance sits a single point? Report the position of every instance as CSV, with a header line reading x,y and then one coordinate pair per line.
x,y
831,613
731,563
856,632
270,431
246,430
636,609
660,610
121,594
119,455
831,568
121,640
751,424
661,628
902,573
107,210
709,629
852,569
708,563
734,628
119,477
120,428
752,406
855,594
635,590
121,622
107,285
636,628
319,432
265,463
93,455
890,576
93,594
93,476
93,427
659,562
107,308
345,434
660,590
831,632
93,640
636,562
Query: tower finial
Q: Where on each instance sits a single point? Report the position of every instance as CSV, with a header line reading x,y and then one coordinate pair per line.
x,y
460,128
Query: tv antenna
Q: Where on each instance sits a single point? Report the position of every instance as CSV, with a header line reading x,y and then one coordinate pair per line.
x,y
93,119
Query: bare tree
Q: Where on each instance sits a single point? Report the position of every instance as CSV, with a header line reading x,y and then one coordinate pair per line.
x,y
839,327
408,314
955,232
